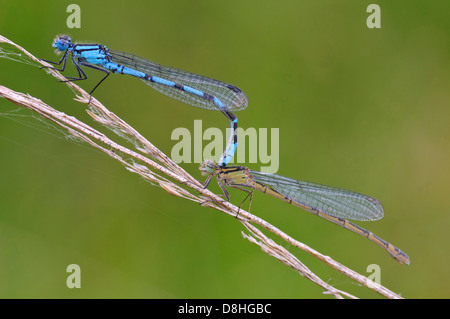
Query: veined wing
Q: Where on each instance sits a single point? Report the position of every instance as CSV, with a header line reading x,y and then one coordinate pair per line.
x,y
232,97
333,201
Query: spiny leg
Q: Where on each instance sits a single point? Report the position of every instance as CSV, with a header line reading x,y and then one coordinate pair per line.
x,y
206,184
99,69
250,194
63,58
81,74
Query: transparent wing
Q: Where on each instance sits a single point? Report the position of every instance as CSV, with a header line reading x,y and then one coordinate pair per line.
x,y
232,97
333,201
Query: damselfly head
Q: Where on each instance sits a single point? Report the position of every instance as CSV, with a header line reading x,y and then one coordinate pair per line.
x,y
208,167
62,43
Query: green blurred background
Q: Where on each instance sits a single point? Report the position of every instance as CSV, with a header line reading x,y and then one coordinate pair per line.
x,y
364,109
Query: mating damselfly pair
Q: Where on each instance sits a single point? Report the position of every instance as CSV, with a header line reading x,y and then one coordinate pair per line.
x,y
331,203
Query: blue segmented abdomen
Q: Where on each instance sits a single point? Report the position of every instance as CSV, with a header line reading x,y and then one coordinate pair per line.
x,y
121,69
